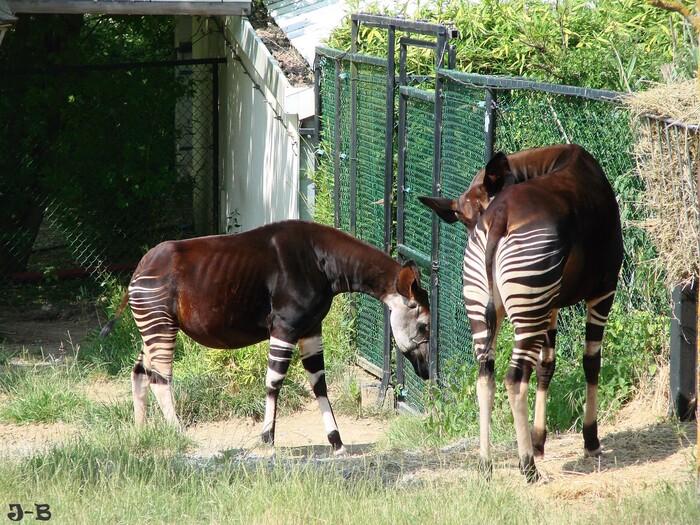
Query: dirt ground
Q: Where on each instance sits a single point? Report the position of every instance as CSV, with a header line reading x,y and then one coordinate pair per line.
x,y
642,449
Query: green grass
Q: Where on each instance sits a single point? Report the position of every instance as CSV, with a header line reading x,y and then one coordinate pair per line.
x,y
42,394
141,476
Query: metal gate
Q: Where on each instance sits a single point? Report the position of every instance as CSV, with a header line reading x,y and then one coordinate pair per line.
x,y
445,127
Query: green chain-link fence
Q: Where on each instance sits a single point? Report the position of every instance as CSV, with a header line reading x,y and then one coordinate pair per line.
x,y
524,115
100,162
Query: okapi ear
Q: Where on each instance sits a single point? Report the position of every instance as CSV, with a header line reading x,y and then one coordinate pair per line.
x,y
445,208
407,282
495,173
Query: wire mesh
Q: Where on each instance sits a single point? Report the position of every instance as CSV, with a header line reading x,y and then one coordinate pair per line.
x,y
417,219
463,156
525,118
371,148
100,164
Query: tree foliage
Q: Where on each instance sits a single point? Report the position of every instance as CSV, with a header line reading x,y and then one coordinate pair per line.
x,y
101,143
607,44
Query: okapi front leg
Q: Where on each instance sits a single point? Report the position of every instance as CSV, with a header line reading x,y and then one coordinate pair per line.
x,y
545,370
278,360
311,350
598,311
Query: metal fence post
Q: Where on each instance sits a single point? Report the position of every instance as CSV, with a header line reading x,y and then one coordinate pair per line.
x,y
440,49
388,204
401,182
683,350
489,124
215,183
353,132
336,149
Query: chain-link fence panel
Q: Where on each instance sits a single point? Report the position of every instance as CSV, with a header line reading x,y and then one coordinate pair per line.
x,y
463,156
371,148
101,163
520,118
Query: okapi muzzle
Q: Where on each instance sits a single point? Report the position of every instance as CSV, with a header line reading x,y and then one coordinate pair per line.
x,y
410,319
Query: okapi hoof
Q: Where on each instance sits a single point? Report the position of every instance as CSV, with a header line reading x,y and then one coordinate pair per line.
x,y
529,470
486,468
268,437
596,453
336,443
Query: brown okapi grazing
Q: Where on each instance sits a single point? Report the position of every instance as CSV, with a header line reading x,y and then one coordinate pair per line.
x,y
544,233
275,282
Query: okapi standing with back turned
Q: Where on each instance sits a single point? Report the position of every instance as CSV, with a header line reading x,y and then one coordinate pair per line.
x,y
275,282
544,233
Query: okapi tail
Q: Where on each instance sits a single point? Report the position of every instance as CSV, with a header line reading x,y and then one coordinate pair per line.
x,y
490,315
494,236
108,327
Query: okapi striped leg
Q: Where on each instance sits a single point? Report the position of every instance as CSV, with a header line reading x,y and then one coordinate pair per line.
x,y
525,353
159,375
484,343
545,370
139,388
278,360
311,349
598,311
150,303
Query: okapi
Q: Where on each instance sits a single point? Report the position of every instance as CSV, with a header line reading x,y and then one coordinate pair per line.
x,y
275,282
544,233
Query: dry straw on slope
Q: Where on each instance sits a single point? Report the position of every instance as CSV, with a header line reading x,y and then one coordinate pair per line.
x,y
667,154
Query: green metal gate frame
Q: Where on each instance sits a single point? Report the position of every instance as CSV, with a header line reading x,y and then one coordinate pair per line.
x,y
447,127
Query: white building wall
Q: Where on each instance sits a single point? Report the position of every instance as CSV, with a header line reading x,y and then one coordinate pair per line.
x,y
261,154
260,140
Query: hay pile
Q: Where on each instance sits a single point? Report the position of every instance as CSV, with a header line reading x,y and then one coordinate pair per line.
x,y
668,160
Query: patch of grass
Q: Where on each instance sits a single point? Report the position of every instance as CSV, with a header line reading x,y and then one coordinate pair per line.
x,y
109,414
632,342
141,476
41,394
409,432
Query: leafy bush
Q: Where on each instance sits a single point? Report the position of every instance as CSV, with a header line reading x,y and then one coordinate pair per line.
x,y
612,44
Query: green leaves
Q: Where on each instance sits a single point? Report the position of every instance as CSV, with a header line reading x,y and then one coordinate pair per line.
x,y
569,42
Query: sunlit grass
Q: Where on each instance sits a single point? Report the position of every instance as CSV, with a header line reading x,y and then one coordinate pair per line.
x,y
129,475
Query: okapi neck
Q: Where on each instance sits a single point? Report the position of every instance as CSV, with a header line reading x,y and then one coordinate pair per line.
x,y
361,268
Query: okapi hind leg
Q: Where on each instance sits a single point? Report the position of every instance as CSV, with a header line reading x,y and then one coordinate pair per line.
x,y
139,389
154,367
545,370
278,360
311,349
524,359
598,311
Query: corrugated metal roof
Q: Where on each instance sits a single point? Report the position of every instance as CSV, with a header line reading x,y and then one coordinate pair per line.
x,y
133,7
306,23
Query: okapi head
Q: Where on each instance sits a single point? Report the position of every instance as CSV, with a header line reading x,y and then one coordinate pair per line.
x,y
470,206
410,318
